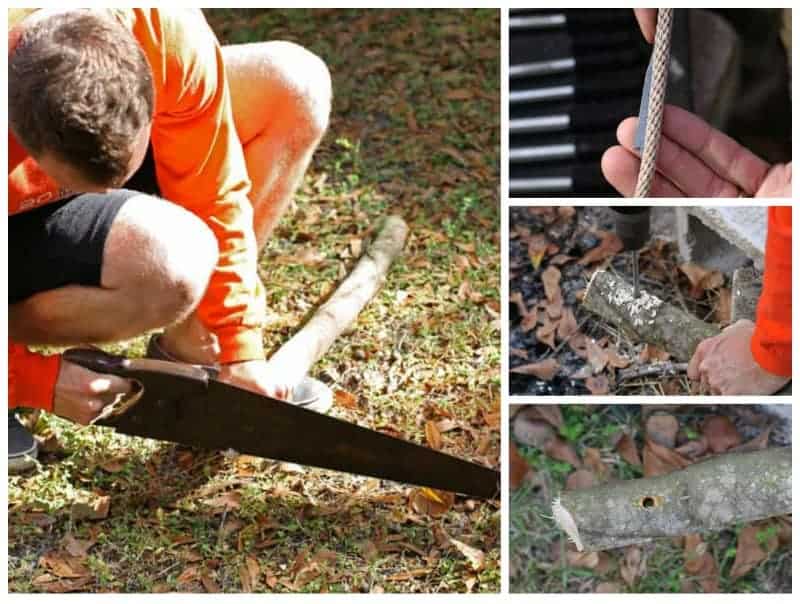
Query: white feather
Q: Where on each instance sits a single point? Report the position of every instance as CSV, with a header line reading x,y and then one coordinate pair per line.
x,y
566,523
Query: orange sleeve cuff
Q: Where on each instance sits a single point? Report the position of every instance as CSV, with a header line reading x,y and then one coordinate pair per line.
x,y
31,378
240,344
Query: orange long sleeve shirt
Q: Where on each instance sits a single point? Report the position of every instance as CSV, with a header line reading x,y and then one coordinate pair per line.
x,y
199,166
772,341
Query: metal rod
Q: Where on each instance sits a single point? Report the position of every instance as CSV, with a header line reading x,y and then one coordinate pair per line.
x,y
542,153
554,184
540,68
546,123
538,22
539,95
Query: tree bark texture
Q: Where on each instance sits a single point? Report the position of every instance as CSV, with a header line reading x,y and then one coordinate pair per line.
x,y
341,309
708,496
647,317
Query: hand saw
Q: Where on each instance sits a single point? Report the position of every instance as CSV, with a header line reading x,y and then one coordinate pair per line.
x,y
186,404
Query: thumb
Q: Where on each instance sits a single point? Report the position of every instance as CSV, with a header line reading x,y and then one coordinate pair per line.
x,y
109,384
647,18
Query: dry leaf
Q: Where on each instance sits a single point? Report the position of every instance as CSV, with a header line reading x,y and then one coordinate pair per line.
x,y
662,428
608,588
597,357
477,559
249,573
633,565
537,247
63,565
519,469
532,432
701,564
549,413
547,333
626,447
544,370
749,552
593,461
580,479
431,502
701,278
720,433
583,559
609,245
432,435
660,460
597,385
551,278
529,321
693,448
755,444
77,547
229,500
559,449
345,399
653,353
567,326
209,584
90,506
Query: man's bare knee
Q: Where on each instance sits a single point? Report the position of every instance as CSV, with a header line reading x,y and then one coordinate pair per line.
x,y
163,255
300,78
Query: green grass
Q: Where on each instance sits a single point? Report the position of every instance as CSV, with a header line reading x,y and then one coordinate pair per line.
x,y
417,348
534,538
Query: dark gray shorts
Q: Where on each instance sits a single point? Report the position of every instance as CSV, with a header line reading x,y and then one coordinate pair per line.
x,y
62,243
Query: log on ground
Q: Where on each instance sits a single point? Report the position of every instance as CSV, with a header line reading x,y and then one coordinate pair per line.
x,y
342,307
646,318
708,496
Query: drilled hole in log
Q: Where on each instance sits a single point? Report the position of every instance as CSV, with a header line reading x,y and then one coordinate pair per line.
x,y
651,501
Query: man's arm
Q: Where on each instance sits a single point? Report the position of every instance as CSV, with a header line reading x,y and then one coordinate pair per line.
x,y
772,340
200,165
756,359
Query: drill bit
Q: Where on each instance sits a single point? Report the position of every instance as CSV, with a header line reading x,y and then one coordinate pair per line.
x,y
635,256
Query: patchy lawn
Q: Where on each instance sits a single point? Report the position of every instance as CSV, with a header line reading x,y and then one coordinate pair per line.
x,y
415,131
579,446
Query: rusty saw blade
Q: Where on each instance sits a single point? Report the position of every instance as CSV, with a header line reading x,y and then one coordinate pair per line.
x,y
185,404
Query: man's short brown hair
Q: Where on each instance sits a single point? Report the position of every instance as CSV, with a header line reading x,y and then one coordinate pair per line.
x,y
80,88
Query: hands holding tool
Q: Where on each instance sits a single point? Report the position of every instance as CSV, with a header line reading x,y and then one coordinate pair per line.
x,y
694,159
81,394
726,366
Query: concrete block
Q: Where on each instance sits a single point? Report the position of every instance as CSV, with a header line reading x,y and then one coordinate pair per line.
x,y
722,237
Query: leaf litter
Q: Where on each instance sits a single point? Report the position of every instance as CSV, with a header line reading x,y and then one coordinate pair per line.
x,y
557,347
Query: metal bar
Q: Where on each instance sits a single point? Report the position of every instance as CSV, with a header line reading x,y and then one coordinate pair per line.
x,y
538,22
542,153
541,68
547,123
540,95
553,184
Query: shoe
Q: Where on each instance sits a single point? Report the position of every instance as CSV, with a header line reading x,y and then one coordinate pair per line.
x,y
310,393
22,449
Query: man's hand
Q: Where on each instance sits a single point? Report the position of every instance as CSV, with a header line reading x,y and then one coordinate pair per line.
x,y
725,364
647,18
695,160
82,394
259,377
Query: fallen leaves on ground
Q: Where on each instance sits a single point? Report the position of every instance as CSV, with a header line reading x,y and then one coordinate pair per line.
x,y
544,370
431,502
720,433
519,468
700,564
662,428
